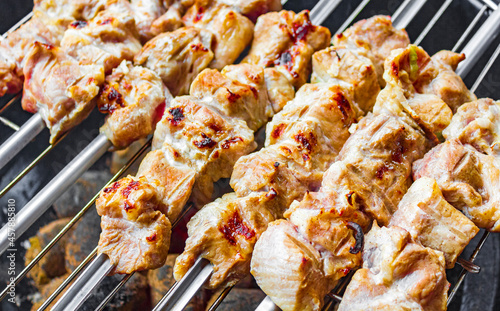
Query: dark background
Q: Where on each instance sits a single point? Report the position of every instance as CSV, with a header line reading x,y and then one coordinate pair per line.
x,y
479,292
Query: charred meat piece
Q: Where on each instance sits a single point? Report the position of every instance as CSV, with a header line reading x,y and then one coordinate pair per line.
x,y
59,88
477,123
377,37
135,99
178,57
305,138
398,274
287,41
232,31
279,89
106,40
432,221
468,179
70,9
253,8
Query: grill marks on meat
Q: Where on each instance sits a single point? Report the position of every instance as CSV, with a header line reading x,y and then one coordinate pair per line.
x,y
266,182
196,143
133,97
287,40
398,274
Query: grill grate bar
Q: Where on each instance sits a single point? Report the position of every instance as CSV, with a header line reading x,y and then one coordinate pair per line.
x,y
221,298
486,69
9,123
469,29
322,10
108,298
433,21
17,25
351,17
491,4
406,12
10,102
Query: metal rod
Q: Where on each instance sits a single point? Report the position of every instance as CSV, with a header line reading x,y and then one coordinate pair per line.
x,y
30,167
181,293
77,293
486,69
323,9
10,102
353,15
68,280
406,12
433,21
15,143
9,123
480,42
469,29
266,305
491,4
54,189
77,217
17,25
221,298
463,273
108,298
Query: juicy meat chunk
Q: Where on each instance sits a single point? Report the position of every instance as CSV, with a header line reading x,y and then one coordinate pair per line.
x,y
135,234
178,57
287,41
432,221
230,225
145,12
302,141
16,46
377,37
253,8
477,123
169,21
59,88
70,9
347,65
279,89
469,180
106,40
239,91
134,99
398,274
405,71
232,31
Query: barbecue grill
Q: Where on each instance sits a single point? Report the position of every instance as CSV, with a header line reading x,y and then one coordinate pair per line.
x,y
459,25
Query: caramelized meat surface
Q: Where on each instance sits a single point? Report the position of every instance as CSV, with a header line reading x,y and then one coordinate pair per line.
x,y
59,88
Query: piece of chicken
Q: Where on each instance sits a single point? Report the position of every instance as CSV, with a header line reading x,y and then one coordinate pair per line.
x,y
287,40
83,10
169,21
253,8
279,89
477,123
369,179
135,99
376,37
145,12
469,180
59,88
432,221
302,141
197,142
106,40
18,43
177,57
232,31
398,274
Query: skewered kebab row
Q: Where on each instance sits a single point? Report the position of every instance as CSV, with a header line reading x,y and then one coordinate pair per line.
x,y
302,141
364,180
198,140
398,274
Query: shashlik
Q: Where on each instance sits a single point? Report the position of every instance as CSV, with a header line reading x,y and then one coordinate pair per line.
x,y
302,141
196,143
368,181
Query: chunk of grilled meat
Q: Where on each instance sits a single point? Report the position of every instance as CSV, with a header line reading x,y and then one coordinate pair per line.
x,y
279,90
198,140
169,21
134,99
376,37
302,141
477,123
368,180
70,9
106,40
145,12
16,46
178,57
253,8
287,41
469,180
397,274
59,88
232,31
432,221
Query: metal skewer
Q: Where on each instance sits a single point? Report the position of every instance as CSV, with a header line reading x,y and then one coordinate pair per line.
x,y
433,21
406,13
